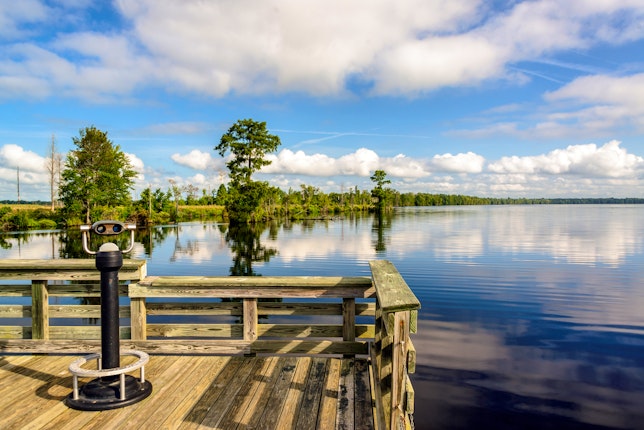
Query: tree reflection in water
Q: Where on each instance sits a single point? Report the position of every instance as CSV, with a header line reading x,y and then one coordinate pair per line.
x,y
245,243
381,223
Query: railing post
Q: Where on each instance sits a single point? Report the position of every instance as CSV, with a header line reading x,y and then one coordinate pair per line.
x,y
349,319
138,318
39,310
399,368
382,369
250,319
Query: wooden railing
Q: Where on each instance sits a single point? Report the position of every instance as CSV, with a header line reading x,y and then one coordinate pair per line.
x,y
221,315
393,354
253,303
45,281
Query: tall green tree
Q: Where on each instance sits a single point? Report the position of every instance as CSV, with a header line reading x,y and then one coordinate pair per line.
x,y
379,191
222,195
96,174
248,142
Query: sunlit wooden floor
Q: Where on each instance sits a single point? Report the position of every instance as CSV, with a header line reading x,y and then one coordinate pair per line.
x,y
198,392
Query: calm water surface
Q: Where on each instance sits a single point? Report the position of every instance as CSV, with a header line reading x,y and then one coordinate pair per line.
x,y
532,316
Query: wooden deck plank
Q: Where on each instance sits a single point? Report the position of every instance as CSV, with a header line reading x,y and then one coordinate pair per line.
x,y
188,392
34,376
50,383
247,398
347,396
329,404
169,394
212,392
257,406
313,390
193,391
363,412
278,394
294,395
14,360
234,392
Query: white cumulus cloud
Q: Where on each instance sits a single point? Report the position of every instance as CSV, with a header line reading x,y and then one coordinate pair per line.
x,y
316,47
363,162
460,163
195,159
607,161
12,155
136,162
405,167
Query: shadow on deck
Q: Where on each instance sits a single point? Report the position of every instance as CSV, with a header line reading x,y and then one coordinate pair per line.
x,y
199,392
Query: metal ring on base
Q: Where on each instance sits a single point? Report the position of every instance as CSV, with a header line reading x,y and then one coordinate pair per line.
x,y
100,393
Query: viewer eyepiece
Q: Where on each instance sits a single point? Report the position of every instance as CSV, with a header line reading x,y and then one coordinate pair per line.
x,y
109,227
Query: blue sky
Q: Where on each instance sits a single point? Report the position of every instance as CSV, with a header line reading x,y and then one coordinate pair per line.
x,y
489,98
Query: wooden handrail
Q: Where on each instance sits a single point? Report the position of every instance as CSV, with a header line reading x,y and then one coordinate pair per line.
x,y
83,269
253,286
393,354
393,292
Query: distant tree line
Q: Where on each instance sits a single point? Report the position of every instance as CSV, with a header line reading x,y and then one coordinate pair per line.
x,y
427,199
97,178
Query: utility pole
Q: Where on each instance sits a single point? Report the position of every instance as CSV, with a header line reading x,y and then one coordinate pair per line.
x,y
18,182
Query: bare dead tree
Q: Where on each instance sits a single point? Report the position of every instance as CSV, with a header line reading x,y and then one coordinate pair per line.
x,y
52,164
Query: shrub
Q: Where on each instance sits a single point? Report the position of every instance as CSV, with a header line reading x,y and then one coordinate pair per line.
x,y
46,224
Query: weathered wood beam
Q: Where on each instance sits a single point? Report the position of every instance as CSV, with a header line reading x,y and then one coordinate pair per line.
x,y
138,318
253,286
39,310
393,292
179,347
250,319
66,269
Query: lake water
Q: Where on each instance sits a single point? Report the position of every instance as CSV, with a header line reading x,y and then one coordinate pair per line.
x,y
532,316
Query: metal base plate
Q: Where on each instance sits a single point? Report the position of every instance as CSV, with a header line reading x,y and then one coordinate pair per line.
x,y
105,393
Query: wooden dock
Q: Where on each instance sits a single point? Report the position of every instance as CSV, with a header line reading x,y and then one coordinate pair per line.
x,y
226,352
197,392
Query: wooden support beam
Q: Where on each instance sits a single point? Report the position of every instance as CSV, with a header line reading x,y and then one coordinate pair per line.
x,y
250,319
138,318
399,373
349,319
39,310
411,357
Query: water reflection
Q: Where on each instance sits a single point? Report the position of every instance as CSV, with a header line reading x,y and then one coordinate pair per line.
x,y
588,235
23,244
381,225
245,243
571,234
531,315
473,377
